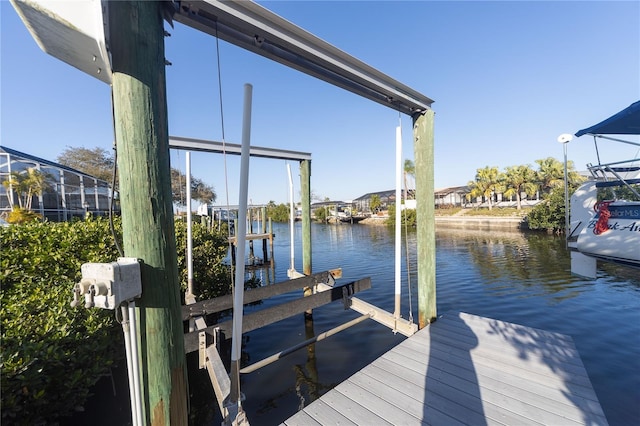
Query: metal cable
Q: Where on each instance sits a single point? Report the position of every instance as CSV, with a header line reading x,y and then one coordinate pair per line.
x,y
406,243
113,179
224,153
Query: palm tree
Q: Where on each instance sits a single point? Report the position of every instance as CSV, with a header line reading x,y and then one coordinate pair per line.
x,y
26,184
13,183
486,184
550,174
409,170
375,203
35,183
519,179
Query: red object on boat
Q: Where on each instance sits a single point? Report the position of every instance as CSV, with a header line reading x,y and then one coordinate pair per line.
x,y
602,224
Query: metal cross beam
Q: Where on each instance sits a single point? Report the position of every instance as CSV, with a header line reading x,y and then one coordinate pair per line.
x,y
252,27
190,144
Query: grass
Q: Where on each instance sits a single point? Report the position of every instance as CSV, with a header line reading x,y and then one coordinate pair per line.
x,y
449,211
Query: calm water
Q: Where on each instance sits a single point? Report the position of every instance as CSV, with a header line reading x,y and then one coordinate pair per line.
x,y
510,276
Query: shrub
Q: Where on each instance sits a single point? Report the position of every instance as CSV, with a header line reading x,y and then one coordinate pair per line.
x,y
211,277
320,214
549,214
19,215
409,217
279,213
53,354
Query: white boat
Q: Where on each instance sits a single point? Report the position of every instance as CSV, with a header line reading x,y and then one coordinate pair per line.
x,y
608,230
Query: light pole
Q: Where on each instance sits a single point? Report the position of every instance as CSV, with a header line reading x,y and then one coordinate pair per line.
x,y
564,139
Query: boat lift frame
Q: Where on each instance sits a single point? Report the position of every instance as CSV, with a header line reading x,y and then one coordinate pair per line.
x,y
254,28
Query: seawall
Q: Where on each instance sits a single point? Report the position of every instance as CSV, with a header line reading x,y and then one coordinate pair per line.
x,y
480,222
465,222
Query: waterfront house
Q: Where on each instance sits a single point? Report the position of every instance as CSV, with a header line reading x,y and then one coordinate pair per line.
x,y
68,192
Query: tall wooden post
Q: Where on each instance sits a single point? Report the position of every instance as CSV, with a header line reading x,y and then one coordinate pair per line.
x,y
424,165
140,114
305,189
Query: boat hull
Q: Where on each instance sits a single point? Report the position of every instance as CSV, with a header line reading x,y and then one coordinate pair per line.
x,y
620,242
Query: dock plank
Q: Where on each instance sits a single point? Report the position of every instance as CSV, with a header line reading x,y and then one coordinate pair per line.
x,y
352,411
466,369
301,418
449,394
377,405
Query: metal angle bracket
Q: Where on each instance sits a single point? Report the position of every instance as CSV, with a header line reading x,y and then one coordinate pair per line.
x,y
204,340
347,294
202,349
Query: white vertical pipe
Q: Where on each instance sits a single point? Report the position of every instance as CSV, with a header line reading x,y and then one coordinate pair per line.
x,y
292,266
189,235
236,343
126,328
83,196
134,356
398,244
95,181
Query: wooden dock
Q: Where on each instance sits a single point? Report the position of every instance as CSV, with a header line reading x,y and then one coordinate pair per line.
x,y
465,369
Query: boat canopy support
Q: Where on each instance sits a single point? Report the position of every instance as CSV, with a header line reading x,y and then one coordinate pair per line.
x,y
201,145
254,28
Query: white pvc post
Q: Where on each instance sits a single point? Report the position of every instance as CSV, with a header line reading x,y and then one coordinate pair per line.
x,y
134,357
292,266
189,237
398,244
126,328
241,232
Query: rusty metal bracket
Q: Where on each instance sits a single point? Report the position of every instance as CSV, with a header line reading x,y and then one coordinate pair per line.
x,y
347,293
202,349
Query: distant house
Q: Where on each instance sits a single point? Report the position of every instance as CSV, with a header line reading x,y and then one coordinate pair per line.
x,y
69,193
387,198
455,196
319,204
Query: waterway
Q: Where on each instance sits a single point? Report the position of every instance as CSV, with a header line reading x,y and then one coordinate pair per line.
x,y
512,276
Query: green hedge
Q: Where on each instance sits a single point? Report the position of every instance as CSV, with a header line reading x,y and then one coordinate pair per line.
x,y
409,217
53,354
211,276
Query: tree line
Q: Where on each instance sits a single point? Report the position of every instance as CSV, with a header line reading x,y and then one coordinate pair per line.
x,y
522,179
99,163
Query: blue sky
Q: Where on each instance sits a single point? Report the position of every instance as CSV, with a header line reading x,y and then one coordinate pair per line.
x,y
507,78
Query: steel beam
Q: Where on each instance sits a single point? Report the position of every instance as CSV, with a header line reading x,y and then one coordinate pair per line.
x,y
202,145
254,28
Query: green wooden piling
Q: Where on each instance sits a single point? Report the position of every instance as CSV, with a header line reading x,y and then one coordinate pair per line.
x,y
305,189
424,165
140,115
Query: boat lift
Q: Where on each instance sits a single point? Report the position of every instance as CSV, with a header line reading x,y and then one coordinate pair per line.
x,y
63,30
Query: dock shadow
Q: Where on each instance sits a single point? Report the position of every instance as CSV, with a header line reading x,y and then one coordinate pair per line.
x,y
452,392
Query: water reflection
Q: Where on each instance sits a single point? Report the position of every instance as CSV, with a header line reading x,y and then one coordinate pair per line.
x,y
519,263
